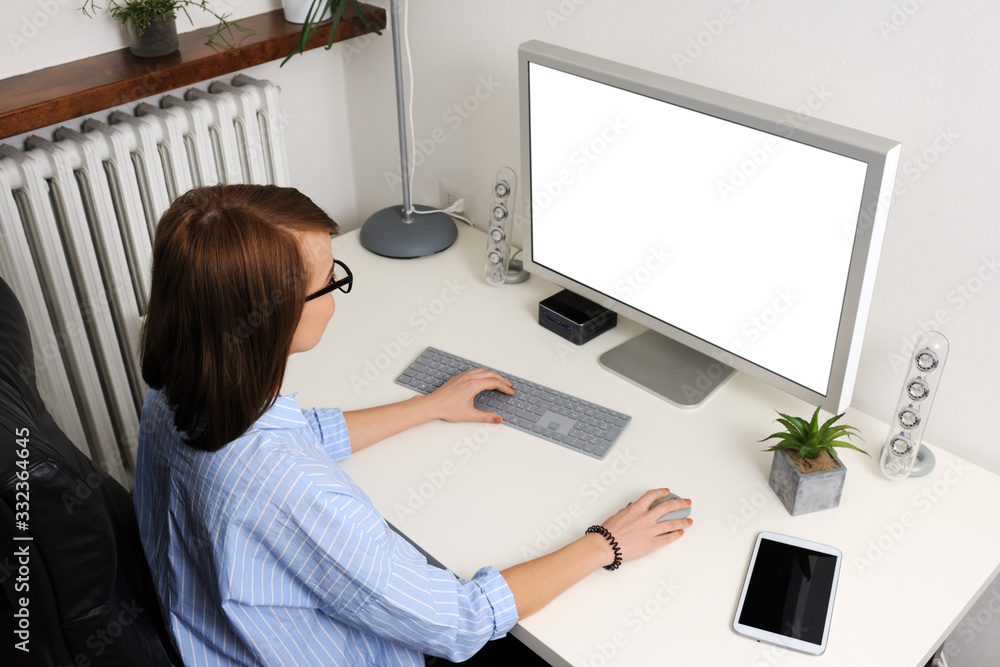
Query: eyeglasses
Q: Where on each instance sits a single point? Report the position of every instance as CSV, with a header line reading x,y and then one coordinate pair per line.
x,y
343,284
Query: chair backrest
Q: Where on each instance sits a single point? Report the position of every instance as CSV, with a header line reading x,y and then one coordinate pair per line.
x,y
89,594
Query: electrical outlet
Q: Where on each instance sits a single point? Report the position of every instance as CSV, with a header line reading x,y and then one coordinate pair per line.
x,y
452,192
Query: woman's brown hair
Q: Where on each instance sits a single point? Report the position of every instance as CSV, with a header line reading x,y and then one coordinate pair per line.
x,y
228,286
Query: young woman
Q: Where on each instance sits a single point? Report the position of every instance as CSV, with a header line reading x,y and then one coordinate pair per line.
x,y
263,550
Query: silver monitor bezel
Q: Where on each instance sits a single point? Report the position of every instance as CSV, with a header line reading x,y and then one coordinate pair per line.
x,y
880,154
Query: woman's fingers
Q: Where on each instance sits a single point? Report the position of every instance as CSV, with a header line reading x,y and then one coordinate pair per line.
x,y
637,528
454,399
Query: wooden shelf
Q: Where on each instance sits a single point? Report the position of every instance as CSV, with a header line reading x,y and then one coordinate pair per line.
x,y
64,92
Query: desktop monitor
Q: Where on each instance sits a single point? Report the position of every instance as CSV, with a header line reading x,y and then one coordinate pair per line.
x,y
744,236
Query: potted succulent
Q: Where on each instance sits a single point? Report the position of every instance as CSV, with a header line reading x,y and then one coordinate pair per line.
x,y
806,473
151,24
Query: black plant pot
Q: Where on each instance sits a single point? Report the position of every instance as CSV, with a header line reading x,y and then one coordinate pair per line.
x,y
158,39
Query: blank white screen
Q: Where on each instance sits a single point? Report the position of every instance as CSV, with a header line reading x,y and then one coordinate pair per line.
x,y
740,237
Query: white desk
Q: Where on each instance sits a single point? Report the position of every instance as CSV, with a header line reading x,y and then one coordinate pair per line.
x,y
917,552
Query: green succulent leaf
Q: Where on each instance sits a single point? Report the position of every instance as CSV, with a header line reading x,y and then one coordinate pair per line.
x,y
810,452
787,442
801,425
809,438
841,443
783,446
789,425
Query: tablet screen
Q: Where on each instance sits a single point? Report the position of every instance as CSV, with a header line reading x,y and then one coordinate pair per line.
x,y
789,591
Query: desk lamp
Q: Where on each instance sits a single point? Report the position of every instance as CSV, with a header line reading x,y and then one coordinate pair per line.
x,y
398,231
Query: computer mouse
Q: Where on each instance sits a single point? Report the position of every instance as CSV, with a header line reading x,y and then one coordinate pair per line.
x,y
682,513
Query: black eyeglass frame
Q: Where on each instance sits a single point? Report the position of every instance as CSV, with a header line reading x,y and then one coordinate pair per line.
x,y
343,284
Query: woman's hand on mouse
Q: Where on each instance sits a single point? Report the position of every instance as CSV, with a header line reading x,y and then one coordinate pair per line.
x,y
452,401
636,528
537,582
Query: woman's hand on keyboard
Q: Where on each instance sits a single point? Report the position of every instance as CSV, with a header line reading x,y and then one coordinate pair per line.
x,y
636,529
452,401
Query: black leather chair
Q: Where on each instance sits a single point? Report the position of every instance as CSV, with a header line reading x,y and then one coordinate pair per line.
x,y
90,596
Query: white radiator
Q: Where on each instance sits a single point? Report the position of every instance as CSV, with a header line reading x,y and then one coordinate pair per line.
x,y
77,215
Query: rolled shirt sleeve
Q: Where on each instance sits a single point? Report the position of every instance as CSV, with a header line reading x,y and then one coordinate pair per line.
x,y
435,613
330,429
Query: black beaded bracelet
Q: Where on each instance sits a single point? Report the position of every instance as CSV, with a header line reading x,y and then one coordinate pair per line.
x,y
614,545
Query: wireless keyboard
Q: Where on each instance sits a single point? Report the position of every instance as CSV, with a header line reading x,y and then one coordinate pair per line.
x,y
549,414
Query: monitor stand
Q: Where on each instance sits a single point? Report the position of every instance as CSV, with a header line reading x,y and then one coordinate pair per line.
x,y
669,369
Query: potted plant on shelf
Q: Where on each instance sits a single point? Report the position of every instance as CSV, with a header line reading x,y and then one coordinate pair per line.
x,y
806,473
311,13
151,24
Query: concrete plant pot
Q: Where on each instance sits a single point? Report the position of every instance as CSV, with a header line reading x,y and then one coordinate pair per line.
x,y
801,492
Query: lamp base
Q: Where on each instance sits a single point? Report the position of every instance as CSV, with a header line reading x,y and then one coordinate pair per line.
x,y
385,233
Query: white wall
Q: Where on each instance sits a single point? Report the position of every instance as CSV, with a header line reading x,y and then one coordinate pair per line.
x,y
928,78
42,33
924,73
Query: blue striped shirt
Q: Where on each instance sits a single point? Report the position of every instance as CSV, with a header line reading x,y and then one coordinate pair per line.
x,y
266,553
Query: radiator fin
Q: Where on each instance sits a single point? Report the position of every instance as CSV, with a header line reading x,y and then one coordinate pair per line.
x,y
77,218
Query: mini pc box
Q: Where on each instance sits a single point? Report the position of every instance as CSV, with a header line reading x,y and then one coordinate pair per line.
x,y
575,318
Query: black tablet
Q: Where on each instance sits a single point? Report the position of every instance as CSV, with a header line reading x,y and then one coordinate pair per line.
x,y
788,594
